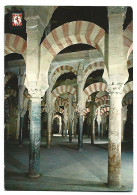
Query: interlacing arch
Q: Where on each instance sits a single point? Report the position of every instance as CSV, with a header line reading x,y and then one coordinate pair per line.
x,y
127,88
128,38
94,88
63,89
68,34
15,44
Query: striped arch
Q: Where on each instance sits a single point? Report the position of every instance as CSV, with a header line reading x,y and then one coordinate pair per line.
x,y
61,102
68,34
130,63
93,88
15,44
104,110
87,110
104,97
58,109
63,89
102,102
93,67
56,116
127,88
8,76
128,39
61,70
9,92
127,101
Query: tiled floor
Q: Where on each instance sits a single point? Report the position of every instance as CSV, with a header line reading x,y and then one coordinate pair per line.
x,y
63,167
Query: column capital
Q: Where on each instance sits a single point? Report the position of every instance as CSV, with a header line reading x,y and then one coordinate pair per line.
x,y
35,94
34,24
115,10
115,88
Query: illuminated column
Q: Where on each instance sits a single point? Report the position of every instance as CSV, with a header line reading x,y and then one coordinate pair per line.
x,y
21,127
81,107
114,137
21,88
117,75
35,137
49,110
75,124
123,121
70,117
65,121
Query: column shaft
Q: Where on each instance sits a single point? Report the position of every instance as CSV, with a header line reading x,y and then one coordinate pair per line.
x,y
35,136
80,133
114,142
98,130
21,130
49,129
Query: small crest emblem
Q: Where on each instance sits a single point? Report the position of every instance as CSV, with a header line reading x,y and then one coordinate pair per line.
x,y
16,19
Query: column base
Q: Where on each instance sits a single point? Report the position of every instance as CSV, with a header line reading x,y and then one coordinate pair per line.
x,y
80,149
34,176
117,187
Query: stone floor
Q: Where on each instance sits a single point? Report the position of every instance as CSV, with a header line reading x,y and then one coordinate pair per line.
x,y
64,168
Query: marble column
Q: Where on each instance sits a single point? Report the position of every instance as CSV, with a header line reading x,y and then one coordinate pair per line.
x,y
49,110
75,124
92,119
80,104
98,122
21,88
49,129
70,117
123,121
80,131
65,121
114,138
35,137
102,130
60,126
116,64
21,128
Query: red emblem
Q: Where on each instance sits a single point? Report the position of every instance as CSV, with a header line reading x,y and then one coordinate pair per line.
x,y
16,19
